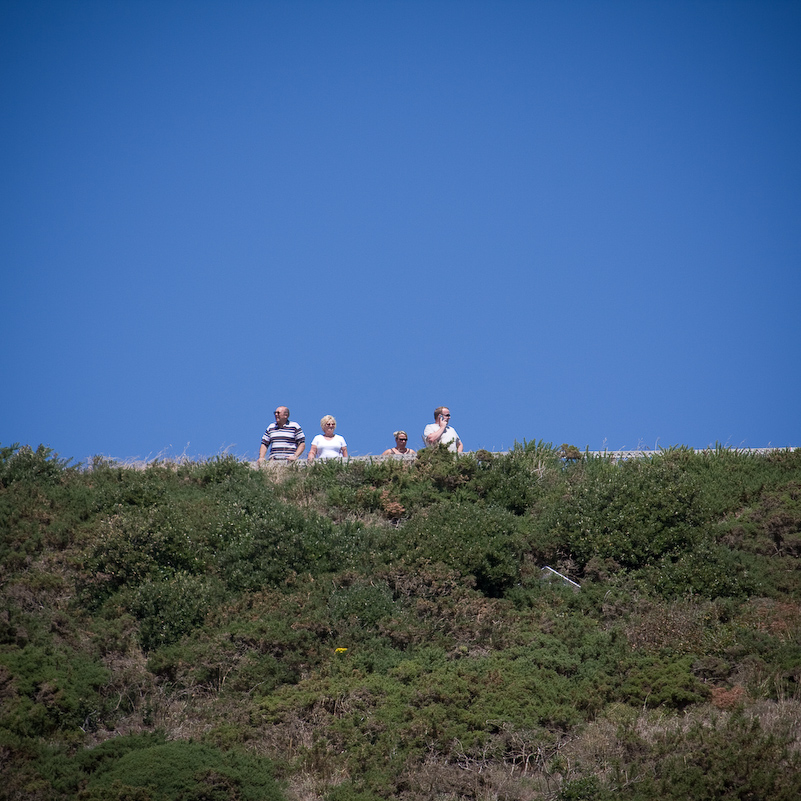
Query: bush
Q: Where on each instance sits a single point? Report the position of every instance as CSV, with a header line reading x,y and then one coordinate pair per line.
x,y
386,624
146,768
484,542
734,760
711,571
23,464
520,480
172,608
633,513
53,690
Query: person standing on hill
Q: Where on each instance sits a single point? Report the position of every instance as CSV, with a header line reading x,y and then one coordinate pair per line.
x,y
400,449
284,439
441,432
328,445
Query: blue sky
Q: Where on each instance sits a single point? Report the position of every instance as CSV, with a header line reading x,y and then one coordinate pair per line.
x,y
570,221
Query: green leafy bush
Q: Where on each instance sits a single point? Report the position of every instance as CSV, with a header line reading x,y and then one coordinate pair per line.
x,y
484,542
147,768
632,513
38,467
51,690
171,608
733,760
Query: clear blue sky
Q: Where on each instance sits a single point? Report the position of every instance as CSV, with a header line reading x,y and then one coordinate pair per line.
x,y
571,221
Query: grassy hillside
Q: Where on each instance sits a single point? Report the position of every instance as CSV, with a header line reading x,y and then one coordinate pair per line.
x,y
209,632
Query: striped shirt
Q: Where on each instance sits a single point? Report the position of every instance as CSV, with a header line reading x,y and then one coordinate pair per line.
x,y
284,441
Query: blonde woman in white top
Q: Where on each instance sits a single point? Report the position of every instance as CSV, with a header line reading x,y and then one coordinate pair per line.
x,y
328,445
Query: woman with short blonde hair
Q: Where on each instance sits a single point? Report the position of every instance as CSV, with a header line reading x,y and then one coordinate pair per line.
x,y
328,445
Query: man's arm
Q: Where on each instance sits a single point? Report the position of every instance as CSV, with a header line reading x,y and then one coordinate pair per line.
x,y
262,452
434,436
298,451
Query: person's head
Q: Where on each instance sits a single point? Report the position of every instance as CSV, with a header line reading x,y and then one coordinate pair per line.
x,y
328,424
401,438
442,410
281,415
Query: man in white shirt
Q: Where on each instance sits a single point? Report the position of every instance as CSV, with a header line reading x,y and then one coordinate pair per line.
x,y
441,432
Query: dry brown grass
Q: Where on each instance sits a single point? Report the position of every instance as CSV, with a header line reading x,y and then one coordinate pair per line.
x,y
779,619
682,626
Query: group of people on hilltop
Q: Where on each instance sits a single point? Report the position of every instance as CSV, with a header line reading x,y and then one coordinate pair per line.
x,y
284,439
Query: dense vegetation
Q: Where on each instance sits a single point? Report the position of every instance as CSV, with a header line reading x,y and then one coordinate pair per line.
x,y
205,631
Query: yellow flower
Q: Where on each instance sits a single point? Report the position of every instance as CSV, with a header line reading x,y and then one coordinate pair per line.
x,y
341,650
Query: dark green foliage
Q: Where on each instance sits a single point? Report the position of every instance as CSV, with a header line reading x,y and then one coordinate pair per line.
x,y
522,479
708,570
180,771
264,548
659,682
735,760
484,542
171,608
147,768
632,513
40,467
361,604
51,690
383,631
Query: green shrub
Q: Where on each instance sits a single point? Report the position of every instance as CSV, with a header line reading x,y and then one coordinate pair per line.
x,y
387,623
520,480
733,760
484,542
23,464
656,682
586,789
138,546
52,690
361,604
632,513
709,570
223,469
169,609
146,768
265,550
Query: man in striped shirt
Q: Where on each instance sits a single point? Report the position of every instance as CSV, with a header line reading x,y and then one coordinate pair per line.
x,y
285,439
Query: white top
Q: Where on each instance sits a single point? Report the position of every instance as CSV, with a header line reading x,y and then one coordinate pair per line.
x,y
449,436
329,447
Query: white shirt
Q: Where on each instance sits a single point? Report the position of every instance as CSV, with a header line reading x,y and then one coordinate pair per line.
x,y
449,436
329,447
